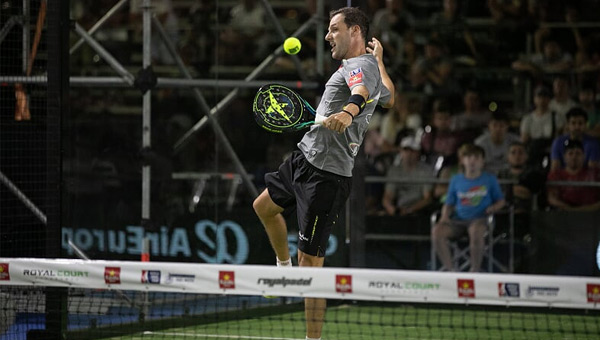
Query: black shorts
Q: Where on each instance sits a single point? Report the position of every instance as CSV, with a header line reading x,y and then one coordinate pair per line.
x,y
317,195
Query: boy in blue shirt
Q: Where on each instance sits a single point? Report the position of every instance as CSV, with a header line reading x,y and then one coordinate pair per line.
x,y
472,195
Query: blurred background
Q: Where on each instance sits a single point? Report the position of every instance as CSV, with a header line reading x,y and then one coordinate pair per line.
x,y
117,153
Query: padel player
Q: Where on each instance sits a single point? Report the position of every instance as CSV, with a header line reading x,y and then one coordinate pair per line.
x,y
316,179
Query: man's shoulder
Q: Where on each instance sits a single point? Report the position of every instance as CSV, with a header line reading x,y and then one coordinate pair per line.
x,y
559,141
590,141
483,139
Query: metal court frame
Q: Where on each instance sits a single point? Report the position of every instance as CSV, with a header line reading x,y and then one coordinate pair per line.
x,y
126,79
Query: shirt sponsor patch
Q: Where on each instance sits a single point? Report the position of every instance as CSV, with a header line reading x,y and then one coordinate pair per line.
x,y
355,77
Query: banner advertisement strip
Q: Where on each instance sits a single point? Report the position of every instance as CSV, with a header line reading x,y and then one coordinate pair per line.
x,y
342,283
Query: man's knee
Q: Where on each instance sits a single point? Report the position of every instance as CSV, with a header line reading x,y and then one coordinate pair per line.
x,y
439,231
264,206
306,260
477,229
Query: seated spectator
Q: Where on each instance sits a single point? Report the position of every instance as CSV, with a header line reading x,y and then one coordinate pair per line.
x,y
471,196
474,118
561,103
495,142
551,60
540,127
408,198
574,198
529,180
245,33
438,140
576,126
450,27
392,25
510,27
402,119
386,130
587,101
163,10
432,72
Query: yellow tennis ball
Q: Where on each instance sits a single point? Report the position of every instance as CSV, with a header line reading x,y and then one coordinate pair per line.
x,y
292,45
493,106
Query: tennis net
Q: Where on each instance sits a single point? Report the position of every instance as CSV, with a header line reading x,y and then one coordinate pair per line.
x,y
157,300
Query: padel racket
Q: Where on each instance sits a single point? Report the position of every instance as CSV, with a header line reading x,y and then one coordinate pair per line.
x,y
280,109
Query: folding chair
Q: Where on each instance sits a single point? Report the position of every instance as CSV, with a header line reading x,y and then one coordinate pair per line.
x,y
460,247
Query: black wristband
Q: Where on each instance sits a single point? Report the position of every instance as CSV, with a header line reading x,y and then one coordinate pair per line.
x,y
348,112
357,100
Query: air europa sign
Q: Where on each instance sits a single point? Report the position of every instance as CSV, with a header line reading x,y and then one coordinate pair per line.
x,y
225,242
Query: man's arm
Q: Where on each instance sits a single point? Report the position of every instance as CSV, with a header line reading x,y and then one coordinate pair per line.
x,y
492,209
376,50
338,122
420,204
388,202
447,211
554,201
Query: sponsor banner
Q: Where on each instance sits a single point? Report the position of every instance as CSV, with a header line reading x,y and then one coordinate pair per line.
x,y
334,283
226,279
509,289
4,273
465,288
112,275
151,276
593,293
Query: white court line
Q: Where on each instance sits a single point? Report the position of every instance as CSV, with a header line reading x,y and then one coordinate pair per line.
x,y
219,336
238,336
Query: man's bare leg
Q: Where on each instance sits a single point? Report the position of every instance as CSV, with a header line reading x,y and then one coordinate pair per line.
x,y
477,231
440,235
314,309
269,214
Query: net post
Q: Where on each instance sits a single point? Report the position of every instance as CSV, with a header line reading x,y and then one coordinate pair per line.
x,y
57,42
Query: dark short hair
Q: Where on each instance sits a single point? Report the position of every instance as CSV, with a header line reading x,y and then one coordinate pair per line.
x,y
519,144
500,116
353,16
471,149
572,144
441,105
577,112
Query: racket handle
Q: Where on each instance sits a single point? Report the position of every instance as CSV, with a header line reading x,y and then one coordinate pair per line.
x,y
319,119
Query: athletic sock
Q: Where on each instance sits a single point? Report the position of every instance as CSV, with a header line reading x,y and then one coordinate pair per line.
x,y
286,263
307,338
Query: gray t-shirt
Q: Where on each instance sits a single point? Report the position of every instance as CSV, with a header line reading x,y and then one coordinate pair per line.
x,y
326,149
407,193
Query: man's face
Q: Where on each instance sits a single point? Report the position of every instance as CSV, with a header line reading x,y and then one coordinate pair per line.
x,y
576,126
586,97
498,129
574,158
410,156
560,86
338,37
471,100
442,121
472,163
551,50
541,101
432,51
517,156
